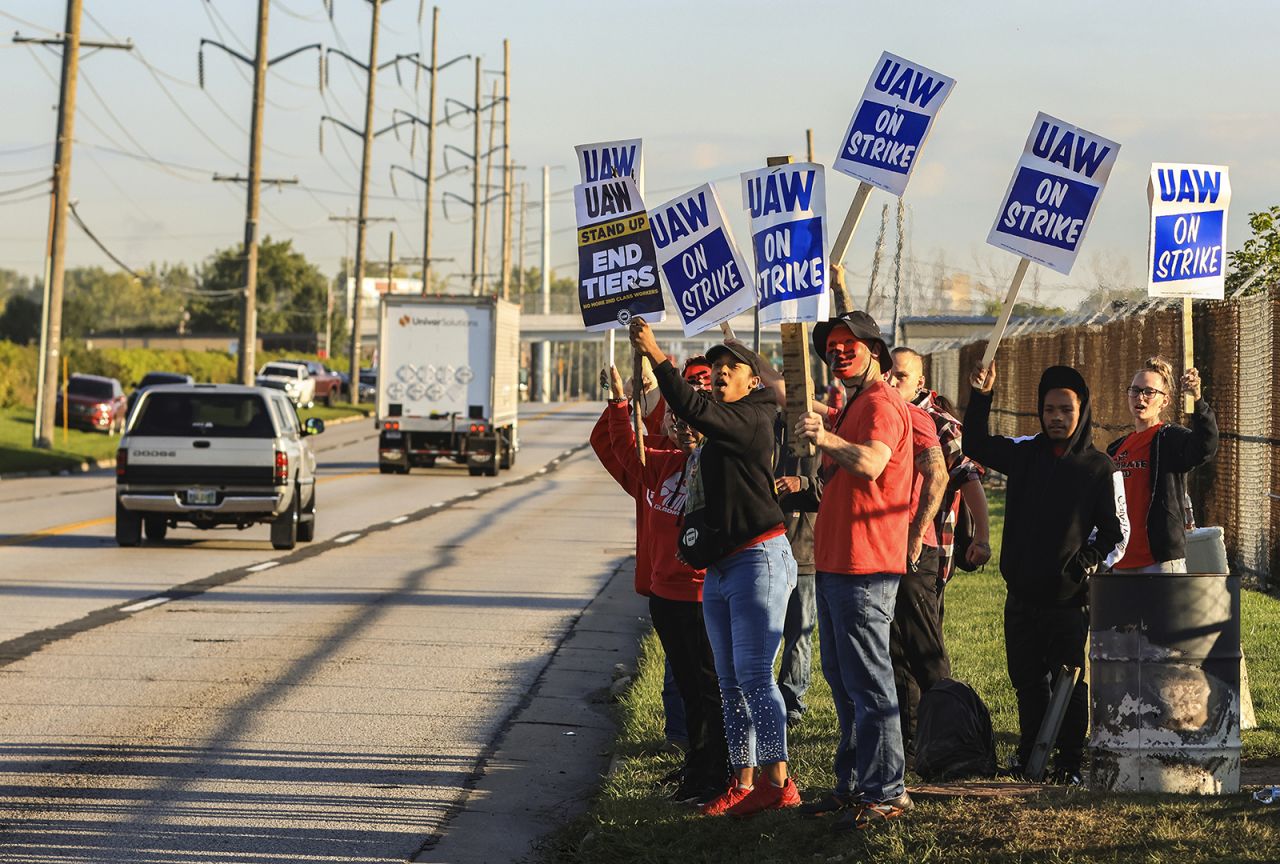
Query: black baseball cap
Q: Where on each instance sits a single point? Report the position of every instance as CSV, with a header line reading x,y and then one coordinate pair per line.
x,y
863,327
732,354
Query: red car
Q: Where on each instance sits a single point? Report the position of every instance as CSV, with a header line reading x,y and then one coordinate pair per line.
x,y
94,403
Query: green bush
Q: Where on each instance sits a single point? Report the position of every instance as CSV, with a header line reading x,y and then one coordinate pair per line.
x,y
17,374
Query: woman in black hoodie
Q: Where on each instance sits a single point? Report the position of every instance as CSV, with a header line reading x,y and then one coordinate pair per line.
x,y
1154,460
1064,521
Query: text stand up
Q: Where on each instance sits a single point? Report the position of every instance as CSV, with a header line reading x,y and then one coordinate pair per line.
x,y
1002,323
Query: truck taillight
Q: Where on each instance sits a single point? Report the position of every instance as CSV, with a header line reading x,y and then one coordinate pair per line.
x,y
122,461
391,424
282,468
478,427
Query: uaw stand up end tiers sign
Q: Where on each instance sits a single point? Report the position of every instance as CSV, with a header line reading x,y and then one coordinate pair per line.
x,y
617,264
1187,245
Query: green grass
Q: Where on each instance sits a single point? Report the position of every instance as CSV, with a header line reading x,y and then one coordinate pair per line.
x,y
17,454
630,822
340,410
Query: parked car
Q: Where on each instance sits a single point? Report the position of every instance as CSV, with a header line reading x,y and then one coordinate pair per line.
x,y
151,379
95,403
368,385
213,455
294,380
329,385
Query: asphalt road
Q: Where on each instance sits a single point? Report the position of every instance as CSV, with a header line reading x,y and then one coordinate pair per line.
x,y
212,699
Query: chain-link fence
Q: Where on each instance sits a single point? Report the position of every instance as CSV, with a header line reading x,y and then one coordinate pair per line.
x,y
1235,342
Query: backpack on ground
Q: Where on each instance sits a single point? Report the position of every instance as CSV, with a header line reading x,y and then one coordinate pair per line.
x,y
954,738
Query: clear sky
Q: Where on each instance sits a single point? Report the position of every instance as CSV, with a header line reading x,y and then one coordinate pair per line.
x,y
712,86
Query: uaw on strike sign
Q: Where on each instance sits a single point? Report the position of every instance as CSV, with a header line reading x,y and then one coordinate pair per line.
x,y
1186,251
704,269
1053,193
617,265
891,123
788,209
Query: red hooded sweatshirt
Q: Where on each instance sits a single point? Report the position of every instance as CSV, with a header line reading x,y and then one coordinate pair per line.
x,y
663,483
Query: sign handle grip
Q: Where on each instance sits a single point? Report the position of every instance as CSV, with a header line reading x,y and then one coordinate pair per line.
x,y
997,332
727,330
851,219
1188,351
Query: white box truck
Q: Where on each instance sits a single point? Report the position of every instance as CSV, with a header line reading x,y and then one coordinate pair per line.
x,y
448,382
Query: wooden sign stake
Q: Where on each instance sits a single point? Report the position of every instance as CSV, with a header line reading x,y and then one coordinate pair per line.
x,y
851,219
640,371
795,361
727,330
997,332
1188,352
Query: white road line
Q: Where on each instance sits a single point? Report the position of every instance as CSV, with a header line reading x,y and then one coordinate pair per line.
x,y
471,495
399,520
438,504
145,604
346,538
542,470
265,565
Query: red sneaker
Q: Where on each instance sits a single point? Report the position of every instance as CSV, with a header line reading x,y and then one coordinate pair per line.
x,y
766,796
720,805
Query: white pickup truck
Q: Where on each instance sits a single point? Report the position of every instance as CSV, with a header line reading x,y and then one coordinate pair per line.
x,y
293,379
213,455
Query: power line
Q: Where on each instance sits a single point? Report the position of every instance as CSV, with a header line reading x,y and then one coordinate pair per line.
x,y
40,182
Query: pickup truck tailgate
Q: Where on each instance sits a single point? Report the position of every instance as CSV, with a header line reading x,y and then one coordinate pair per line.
x,y
184,462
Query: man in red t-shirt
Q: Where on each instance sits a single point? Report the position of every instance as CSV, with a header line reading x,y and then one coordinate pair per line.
x,y
860,552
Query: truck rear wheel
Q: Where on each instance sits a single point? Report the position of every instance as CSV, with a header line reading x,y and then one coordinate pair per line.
x,y
156,527
307,522
128,526
508,457
284,529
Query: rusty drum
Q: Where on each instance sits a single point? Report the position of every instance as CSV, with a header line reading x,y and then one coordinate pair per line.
x,y
1164,663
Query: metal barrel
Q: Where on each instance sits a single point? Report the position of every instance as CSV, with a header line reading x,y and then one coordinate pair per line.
x,y
1164,661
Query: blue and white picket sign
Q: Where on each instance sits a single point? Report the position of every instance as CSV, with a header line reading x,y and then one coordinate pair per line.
x,y
606,159
1187,248
617,264
1054,193
891,123
705,271
788,209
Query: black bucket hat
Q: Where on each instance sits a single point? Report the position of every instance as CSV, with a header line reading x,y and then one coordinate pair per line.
x,y
716,354
863,327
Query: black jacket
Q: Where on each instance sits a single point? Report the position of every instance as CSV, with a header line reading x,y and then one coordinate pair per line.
x,y
735,463
1175,451
1065,517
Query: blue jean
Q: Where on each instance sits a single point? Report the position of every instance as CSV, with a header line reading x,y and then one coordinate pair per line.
x,y
795,672
744,603
854,615
673,708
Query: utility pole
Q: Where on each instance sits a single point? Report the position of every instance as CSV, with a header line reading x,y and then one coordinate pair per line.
x,y
346,258
488,184
506,169
249,309
363,212
431,154
246,361
475,190
391,261
544,355
55,281
520,243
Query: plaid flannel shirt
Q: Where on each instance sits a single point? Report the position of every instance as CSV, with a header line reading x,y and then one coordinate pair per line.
x,y
960,470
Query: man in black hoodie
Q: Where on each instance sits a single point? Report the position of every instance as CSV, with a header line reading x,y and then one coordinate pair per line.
x,y
1065,520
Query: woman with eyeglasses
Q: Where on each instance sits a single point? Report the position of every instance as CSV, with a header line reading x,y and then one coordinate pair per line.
x,y
1155,459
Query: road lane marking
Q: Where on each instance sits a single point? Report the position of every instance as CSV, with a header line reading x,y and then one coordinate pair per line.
x,y
544,414
55,530
399,520
265,565
346,538
145,604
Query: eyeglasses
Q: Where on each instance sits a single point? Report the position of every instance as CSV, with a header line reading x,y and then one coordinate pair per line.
x,y
1147,392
